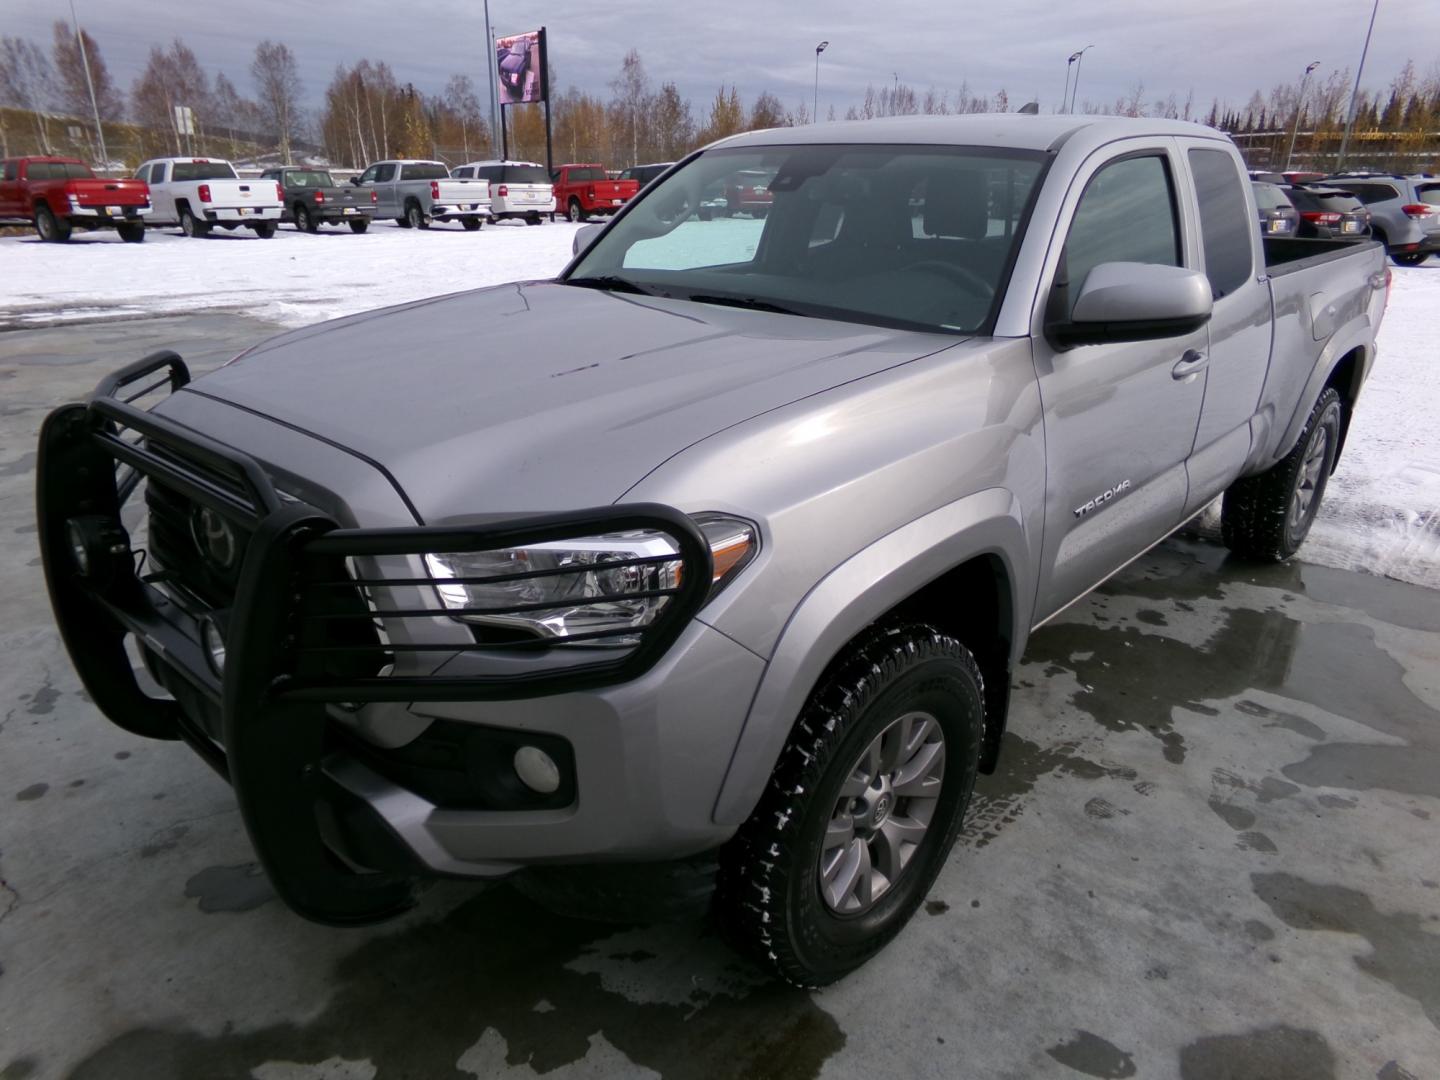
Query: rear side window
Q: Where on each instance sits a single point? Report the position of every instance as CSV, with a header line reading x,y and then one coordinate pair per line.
x,y
1224,221
75,171
1127,214
1372,193
39,170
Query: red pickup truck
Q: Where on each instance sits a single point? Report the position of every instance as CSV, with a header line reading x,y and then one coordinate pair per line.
x,y
582,190
58,194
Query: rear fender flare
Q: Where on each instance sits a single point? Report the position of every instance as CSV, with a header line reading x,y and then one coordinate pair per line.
x,y
851,597
1359,334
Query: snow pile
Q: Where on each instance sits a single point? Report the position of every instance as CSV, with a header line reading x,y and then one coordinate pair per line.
x,y
1381,512
293,279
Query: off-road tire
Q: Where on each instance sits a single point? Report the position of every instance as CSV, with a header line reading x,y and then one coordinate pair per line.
x,y
305,221
358,226
471,224
131,234
48,227
1255,517
416,216
264,229
768,900
192,226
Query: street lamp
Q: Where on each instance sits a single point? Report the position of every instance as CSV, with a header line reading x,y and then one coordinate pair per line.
x,y
89,82
1355,93
1299,105
815,106
1077,57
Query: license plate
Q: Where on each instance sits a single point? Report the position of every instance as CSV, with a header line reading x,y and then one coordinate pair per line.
x,y
617,202
1350,226
348,210
244,210
117,211
1277,226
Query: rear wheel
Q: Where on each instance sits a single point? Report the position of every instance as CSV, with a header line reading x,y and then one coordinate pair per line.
x,y
305,220
192,226
471,224
1414,258
358,226
50,228
1267,516
532,219
403,222
861,810
416,217
264,229
575,212
131,234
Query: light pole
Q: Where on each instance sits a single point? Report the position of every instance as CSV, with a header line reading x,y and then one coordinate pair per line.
x,y
1299,106
1078,57
815,104
490,78
90,83
1065,94
1355,93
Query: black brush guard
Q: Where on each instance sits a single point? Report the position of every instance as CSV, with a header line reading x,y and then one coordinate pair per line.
x,y
302,632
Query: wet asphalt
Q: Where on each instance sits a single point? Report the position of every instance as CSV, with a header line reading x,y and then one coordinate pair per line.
x,y
1210,852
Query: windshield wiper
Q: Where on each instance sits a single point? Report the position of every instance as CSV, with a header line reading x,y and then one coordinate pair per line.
x,y
610,283
753,303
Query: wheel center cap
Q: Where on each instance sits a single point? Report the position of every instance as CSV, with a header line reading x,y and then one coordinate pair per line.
x,y
883,804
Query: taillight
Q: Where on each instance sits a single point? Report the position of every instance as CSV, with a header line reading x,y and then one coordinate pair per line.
x,y
1417,209
590,194
503,191
280,193
1320,217
373,197
319,196
204,192
434,189
1389,277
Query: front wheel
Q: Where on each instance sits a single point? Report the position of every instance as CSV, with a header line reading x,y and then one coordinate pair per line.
x,y
358,226
862,809
131,234
1267,516
471,224
50,228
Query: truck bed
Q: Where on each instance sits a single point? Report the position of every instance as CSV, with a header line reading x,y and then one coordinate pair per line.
x,y
1285,255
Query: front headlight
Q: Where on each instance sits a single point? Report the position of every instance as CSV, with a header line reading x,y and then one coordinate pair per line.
x,y
593,585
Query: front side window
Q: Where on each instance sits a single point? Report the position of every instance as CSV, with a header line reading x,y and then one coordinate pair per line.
x,y
917,237
12,170
1224,221
1127,214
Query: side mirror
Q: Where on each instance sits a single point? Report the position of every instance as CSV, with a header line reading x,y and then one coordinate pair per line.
x,y
355,180
1125,301
584,238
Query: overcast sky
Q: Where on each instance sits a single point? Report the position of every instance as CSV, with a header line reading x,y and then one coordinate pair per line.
x,y
1218,48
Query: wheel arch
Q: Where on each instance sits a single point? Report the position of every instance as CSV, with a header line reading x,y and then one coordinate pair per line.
x,y
965,567
1344,364
1347,376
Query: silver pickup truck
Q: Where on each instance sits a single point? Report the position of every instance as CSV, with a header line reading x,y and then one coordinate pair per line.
x,y
725,541
415,193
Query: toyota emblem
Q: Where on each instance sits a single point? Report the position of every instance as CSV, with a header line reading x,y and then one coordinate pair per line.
x,y
214,537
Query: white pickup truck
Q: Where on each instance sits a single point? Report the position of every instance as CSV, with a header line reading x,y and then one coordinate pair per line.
x,y
199,193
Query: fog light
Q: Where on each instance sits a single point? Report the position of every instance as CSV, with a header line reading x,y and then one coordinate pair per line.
x,y
98,544
213,641
537,770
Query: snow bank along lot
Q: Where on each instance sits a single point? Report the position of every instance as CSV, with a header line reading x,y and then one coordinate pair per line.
x,y
1381,514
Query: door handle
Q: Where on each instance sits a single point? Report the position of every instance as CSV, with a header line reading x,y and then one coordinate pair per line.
x,y
1192,363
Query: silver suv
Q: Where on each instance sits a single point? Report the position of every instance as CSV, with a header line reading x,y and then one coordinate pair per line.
x,y
1404,212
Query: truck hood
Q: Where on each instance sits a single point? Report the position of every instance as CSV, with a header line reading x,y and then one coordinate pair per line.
x,y
540,396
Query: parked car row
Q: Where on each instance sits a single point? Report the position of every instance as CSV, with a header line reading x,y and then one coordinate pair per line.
x,y
57,195
1402,212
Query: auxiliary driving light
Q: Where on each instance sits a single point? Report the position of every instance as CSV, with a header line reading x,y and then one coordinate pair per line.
x,y
212,638
96,542
537,770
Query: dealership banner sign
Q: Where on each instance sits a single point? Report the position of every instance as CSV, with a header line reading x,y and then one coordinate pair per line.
x,y
520,66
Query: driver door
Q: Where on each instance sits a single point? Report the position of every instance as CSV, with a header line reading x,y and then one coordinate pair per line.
x,y
1120,418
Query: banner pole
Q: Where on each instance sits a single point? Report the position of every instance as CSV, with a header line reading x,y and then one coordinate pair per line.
x,y
545,93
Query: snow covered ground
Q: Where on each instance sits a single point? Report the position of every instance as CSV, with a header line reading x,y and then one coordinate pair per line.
x,y
1381,514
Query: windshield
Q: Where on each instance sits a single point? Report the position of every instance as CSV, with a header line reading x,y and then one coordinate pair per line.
x,y
1428,193
918,237
308,178
428,170
203,170
1270,197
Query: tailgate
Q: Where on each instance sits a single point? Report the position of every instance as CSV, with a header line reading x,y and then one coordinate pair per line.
x,y
226,193
464,191
110,192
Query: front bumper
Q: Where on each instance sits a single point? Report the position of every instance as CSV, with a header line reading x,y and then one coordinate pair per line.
x,y
334,817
